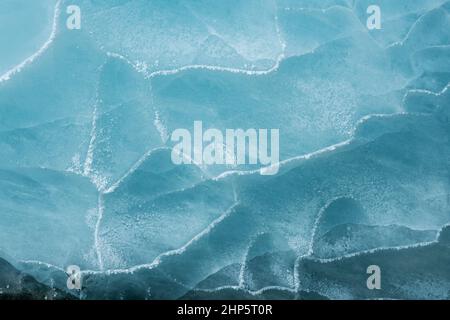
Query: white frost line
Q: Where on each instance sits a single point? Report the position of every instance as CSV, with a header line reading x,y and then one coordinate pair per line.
x,y
427,92
380,115
18,68
97,245
281,39
323,10
178,251
160,127
359,253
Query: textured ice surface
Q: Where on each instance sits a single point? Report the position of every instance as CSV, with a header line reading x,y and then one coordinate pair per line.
x,y
364,116
32,200
404,268
23,32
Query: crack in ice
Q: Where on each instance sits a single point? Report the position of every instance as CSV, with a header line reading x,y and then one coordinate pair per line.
x,y
18,68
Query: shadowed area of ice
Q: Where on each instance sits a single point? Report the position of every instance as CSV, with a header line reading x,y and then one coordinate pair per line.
x,y
409,273
16,285
25,26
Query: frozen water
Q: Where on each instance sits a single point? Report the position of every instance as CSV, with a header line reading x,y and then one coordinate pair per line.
x,y
404,273
24,32
86,176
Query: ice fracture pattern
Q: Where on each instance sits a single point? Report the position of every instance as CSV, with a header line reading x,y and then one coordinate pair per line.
x,y
86,176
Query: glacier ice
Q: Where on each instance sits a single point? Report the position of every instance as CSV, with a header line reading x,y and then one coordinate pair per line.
x,y
364,116
22,33
32,200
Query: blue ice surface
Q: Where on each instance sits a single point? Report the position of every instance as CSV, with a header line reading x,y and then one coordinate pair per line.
x,y
86,176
